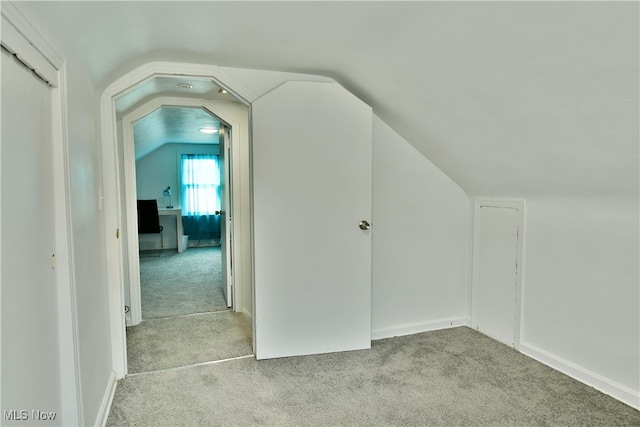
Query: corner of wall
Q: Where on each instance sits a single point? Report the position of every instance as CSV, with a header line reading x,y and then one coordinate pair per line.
x,y
107,400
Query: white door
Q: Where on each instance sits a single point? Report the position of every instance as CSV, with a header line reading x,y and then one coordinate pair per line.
x,y
225,213
496,271
311,190
29,288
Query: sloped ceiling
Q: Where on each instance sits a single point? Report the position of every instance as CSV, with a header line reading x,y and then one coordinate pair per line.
x,y
508,98
173,125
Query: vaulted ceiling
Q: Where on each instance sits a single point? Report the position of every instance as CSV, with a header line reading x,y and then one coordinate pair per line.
x,y
508,98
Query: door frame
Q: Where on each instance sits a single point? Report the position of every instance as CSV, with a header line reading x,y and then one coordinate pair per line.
x,y
519,205
112,187
129,164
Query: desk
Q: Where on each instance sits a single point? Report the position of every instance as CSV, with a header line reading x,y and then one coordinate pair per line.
x,y
177,212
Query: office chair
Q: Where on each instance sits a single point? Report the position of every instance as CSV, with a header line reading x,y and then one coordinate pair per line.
x,y
148,219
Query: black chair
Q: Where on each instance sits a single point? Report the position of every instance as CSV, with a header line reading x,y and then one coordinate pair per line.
x,y
149,220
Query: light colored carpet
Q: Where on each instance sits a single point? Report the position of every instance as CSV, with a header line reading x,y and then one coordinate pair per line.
x,y
454,377
185,340
174,284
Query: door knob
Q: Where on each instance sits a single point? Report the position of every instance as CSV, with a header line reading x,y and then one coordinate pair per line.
x,y
364,225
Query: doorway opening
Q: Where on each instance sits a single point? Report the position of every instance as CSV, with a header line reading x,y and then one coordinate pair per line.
x,y
164,150
184,288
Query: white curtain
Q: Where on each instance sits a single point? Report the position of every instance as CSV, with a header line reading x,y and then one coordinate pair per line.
x,y
200,196
200,184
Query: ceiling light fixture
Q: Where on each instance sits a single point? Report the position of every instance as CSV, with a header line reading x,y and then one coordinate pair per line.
x,y
208,130
222,90
184,86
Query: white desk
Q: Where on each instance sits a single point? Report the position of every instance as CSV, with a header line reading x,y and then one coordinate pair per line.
x,y
177,212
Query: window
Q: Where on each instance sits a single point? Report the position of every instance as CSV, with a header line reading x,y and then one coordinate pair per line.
x,y
200,184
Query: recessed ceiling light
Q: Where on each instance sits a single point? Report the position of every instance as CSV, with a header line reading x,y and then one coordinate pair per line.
x,y
208,130
184,86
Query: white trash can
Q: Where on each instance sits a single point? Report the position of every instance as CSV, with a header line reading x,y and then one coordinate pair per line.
x,y
185,242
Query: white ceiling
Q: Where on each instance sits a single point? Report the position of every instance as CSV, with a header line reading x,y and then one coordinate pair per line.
x,y
171,124
508,98
168,86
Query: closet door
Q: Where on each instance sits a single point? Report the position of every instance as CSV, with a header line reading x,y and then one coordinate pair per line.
x,y
496,271
29,297
312,203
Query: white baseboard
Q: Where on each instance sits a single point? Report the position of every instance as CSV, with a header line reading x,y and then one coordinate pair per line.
x,y
107,399
416,328
613,389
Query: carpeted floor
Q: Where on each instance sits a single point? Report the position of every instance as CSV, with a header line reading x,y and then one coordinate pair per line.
x,y
185,315
174,284
453,377
185,340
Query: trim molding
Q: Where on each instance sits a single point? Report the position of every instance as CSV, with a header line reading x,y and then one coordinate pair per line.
x,y
416,328
130,238
28,32
107,400
613,389
111,186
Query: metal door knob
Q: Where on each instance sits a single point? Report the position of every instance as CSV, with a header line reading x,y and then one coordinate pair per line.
x,y
364,225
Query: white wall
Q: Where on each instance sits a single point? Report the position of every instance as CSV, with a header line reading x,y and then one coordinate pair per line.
x,y
88,242
420,240
156,171
581,292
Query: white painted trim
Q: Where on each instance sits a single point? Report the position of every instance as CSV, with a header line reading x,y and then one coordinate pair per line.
x,y
128,147
148,71
22,39
24,51
520,206
112,186
617,391
107,400
416,328
131,220
53,60
113,251
70,374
